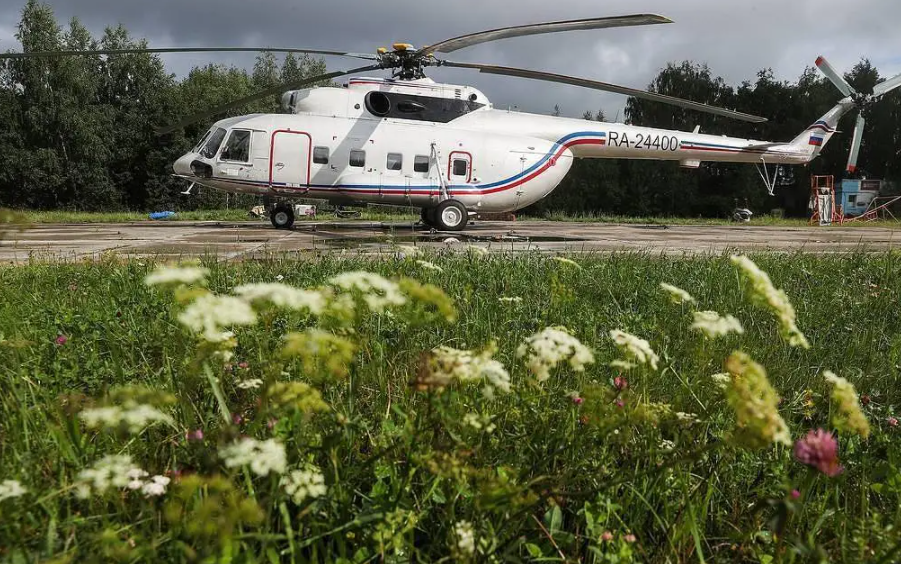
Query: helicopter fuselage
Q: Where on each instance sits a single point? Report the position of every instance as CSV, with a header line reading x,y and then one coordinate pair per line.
x,y
419,143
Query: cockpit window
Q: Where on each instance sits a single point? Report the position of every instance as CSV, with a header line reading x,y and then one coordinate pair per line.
x,y
203,139
237,148
212,145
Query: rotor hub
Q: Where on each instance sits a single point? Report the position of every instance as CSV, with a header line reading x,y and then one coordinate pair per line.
x,y
406,62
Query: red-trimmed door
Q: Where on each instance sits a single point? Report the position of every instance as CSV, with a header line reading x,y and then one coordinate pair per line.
x,y
459,167
289,159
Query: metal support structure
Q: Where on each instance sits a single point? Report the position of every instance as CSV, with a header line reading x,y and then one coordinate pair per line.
x,y
823,210
765,176
442,182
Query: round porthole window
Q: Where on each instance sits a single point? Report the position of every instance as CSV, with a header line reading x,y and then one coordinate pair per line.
x,y
378,103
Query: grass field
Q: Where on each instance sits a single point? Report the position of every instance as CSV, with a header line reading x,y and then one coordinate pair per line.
x,y
769,220
392,456
397,214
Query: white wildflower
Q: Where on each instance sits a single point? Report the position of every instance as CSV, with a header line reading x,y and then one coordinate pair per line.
x,y
279,277
510,299
135,481
10,489
635,348
251,384
545,350
305,483
407,251
447,364
133,417
113,471
755,403
282,295
466,538
224,356
622,364
429,265
713,325
209,315
677,295
477,250
847,416
155,487
667,445
775,300
377,291
479,422
263,457
176,275
567,261
723,379
686,417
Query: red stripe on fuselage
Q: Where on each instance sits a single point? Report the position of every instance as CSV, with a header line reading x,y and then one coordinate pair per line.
x,y
551,162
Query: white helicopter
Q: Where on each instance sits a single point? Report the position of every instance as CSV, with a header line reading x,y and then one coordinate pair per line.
x,y
444,148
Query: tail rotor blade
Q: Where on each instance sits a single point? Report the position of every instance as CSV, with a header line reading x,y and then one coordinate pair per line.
x,y
836,79
884,88
855,144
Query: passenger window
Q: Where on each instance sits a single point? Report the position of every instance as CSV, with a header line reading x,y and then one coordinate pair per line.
x,y
320,155
237,148
461,167
421,163
357,158
395,161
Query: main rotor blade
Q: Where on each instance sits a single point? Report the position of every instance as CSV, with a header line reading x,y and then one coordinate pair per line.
x,y
585,83
471,39
855,144
259,95
53,54
836,79
884,88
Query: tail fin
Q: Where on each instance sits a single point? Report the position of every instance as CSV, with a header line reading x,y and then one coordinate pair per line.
x,y
814,138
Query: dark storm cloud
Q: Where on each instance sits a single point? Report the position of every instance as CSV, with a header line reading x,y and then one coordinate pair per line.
x,y
735,39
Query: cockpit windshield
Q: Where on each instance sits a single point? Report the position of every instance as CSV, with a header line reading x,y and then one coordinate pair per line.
x,y
203,139
213,138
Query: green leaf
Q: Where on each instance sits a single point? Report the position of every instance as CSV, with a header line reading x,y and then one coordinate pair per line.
x,y
553,519
534,550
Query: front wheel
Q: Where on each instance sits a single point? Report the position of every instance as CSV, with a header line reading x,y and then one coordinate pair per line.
x,y
282,216
450,215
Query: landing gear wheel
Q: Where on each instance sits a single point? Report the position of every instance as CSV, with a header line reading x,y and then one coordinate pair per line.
x,y
282,216
427,215
450,215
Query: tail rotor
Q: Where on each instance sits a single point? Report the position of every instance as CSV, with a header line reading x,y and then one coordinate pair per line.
x,y
861,101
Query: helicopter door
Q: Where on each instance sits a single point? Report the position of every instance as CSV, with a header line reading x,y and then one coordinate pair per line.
x,y
289,162
459,168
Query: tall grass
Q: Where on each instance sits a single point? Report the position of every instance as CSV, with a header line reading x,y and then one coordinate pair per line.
x,y
558,471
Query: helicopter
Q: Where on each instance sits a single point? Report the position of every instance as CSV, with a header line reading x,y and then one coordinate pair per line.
x,y
444,148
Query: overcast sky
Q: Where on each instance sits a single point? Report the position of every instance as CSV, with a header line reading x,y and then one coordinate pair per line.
x,y
735,38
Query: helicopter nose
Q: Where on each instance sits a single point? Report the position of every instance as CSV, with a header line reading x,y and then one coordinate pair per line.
x,y
182,166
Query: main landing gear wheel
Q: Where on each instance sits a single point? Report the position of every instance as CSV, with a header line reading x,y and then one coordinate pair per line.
x,y
450,215
282,216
